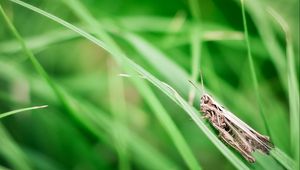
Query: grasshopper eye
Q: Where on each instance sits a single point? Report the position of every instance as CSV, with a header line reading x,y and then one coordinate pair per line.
x,y
205,99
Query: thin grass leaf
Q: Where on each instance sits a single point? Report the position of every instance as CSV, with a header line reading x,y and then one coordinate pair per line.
x,y
196,44
2,115
283,158
167,122
293,86
252,70
119,111
267,162
195,9
257,11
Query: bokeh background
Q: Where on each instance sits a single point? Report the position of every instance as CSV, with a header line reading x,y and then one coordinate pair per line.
x,y
103,120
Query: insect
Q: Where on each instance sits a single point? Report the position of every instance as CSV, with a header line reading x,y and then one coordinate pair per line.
x,y
232,130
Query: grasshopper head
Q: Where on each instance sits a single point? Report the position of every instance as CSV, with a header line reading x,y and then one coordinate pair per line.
x,y
206,99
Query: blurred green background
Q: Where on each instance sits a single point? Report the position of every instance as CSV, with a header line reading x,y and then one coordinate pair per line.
x,y
97,119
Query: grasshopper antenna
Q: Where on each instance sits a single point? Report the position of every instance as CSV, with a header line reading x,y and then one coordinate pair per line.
x,y
201,79
202,85
190,81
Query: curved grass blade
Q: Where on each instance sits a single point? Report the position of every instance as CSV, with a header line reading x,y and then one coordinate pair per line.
x,y
2,115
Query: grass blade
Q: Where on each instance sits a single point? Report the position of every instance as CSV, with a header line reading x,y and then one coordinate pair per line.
x,y
258,13
2,115
284,159
117,98
293,86
196,44
252,70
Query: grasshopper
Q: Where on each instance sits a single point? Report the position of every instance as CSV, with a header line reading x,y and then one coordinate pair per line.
x,y
232,130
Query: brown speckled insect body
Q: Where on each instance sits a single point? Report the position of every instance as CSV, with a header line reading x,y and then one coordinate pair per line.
x,y
232,130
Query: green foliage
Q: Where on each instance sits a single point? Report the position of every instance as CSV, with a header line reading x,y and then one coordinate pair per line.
x,y
97,119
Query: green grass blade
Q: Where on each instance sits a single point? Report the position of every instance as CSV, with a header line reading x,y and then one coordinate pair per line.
x,y
34,61
167,122
284,159
196,44
2,115
293,86
252,70
196,53
257,11
119,112
195,9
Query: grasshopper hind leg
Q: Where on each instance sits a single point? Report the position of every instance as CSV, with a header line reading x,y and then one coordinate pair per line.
x,y
226,137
